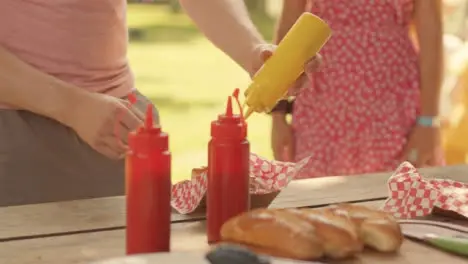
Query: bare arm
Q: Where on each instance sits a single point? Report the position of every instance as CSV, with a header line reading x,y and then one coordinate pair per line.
x,y
25,87
228,25
291,11
428,26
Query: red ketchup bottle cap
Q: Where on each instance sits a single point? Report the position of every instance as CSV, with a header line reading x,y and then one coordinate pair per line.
x,y
148,138
229,125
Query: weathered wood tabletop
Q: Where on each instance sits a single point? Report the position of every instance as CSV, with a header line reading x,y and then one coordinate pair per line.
x,y
88,230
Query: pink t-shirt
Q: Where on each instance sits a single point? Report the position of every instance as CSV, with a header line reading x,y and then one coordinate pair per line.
x,y
83,42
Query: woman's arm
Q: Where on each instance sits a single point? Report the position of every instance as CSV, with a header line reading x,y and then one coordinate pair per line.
x,y
25,87
428,27
228,25
291,11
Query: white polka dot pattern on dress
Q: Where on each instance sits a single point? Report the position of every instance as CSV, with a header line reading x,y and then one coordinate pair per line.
x,y
362,104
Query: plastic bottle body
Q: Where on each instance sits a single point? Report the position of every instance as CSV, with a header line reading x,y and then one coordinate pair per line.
x,y
228,182
148,192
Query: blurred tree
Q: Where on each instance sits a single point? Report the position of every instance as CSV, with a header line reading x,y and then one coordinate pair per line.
x,y
257,6
175,6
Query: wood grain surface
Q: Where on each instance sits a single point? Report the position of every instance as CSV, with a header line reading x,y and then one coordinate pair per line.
x,y
94,246
28,221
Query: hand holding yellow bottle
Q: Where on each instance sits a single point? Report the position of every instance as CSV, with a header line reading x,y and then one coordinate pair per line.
x,y
281,70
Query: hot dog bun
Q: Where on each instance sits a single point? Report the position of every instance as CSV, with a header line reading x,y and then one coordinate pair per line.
x,y
338,233
335,232
274,232
378,230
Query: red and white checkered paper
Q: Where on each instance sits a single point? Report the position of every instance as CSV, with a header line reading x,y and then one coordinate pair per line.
x,y
265,177
410,195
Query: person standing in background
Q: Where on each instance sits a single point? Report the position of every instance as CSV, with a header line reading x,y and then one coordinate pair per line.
x,y
375,100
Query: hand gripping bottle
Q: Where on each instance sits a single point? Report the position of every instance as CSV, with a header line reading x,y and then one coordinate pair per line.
x,y
148,184
283,68
228,171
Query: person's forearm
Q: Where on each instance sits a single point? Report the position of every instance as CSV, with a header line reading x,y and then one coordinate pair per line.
x,y
428,23
291,11
26,88
228,25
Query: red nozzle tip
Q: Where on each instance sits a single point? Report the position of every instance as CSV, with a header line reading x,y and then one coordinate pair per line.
x,y
149,117
229,107
235,94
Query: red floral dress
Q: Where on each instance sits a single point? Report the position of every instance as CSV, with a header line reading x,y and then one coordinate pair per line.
x,y
362,104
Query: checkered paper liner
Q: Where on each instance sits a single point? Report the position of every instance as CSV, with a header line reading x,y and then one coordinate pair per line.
x,y
410,195
265,177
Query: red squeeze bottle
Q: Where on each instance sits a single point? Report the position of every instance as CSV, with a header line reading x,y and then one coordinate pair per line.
x,y
228,171
148,184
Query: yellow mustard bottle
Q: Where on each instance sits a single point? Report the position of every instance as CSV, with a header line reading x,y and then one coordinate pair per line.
x,y
271,83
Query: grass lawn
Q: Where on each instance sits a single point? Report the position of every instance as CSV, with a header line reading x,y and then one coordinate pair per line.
x,y
189,81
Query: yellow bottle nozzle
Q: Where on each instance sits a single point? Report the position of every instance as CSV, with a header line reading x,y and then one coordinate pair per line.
x,y
271,83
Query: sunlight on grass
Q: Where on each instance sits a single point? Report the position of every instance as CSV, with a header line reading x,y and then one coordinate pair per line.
x,y
189,81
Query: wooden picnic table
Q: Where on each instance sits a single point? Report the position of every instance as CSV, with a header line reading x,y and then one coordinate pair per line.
x,y
84,231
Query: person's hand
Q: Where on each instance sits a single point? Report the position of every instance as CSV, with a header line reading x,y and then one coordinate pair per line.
x,y
104,122
263,52
282,138
424,146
